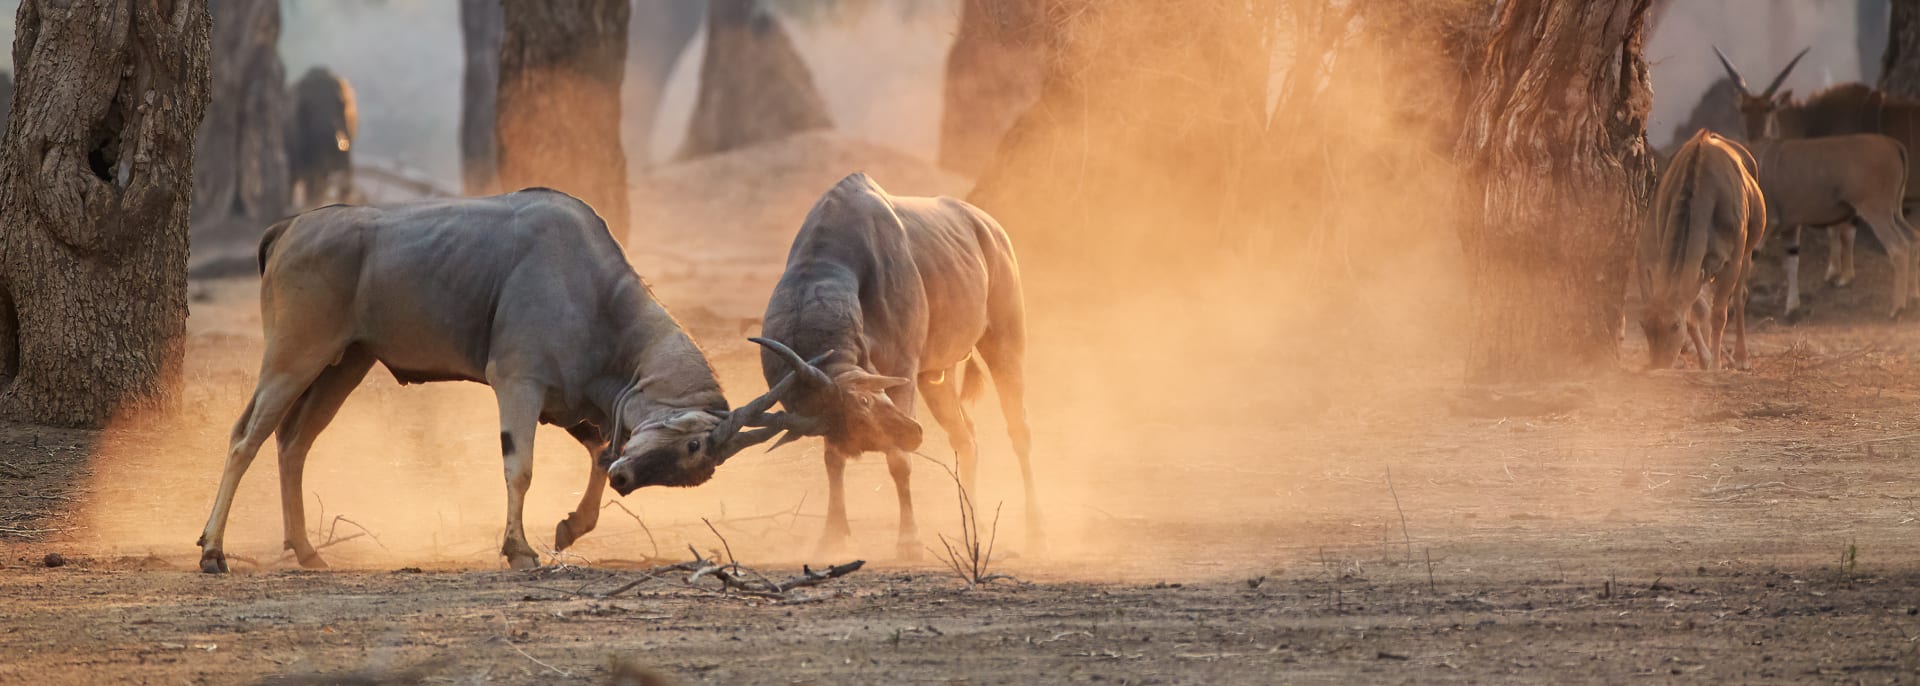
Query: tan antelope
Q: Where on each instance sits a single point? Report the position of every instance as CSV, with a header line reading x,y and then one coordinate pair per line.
x,y
526,292
1839,182
891,295
1708,218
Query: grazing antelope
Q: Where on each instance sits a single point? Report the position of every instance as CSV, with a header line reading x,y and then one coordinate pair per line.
x,y
1831,181
891,295
1708,218
526,292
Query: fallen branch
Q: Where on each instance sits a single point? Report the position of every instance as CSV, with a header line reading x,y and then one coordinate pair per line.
x,y
808,577
649,575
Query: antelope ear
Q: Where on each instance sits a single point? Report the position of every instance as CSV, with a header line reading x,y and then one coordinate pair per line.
x,y
862,381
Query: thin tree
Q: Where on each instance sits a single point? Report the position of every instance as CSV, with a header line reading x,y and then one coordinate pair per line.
x,y
1900,64
1558,174
480,29
240,167
558,114
658,34
95,177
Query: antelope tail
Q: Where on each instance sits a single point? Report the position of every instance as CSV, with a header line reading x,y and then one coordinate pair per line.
x,y
1686,244
266,240
973,380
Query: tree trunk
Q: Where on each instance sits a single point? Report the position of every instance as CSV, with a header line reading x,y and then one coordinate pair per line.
x,y
561,65
480,31
1870,33
1150,114
94,184
240,170
657,35
753,86
1900,65
993,75
1557,179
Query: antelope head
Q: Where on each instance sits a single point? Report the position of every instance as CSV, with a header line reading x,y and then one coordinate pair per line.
x,y
1758,111
850,407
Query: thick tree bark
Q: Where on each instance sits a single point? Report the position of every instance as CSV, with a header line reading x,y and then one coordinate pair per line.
x,y
753,86
993,75
94,184
561,65
6,97
240,169
480,31
1900,65
1557,179
1150,114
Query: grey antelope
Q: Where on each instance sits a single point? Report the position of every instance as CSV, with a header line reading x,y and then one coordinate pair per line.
x,y
891,295
1831,181
526,292
1708,218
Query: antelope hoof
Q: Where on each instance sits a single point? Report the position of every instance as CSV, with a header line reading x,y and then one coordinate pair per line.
x,y
833,544
563,535
311,561
908,549
212,561
520,555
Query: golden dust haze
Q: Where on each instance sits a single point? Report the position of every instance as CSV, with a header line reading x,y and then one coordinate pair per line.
x,y
1242,407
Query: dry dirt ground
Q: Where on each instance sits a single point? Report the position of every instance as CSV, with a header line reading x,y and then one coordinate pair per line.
x,y
1232,504
1681,526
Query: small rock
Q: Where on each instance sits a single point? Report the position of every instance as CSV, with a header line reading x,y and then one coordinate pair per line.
x,y
53,560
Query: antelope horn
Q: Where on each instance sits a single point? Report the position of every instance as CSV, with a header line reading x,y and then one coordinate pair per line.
x,y
1777,80
1739,81
728,438
809,374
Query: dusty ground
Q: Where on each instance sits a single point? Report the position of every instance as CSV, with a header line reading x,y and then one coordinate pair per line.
x,y
1235,499
1682,526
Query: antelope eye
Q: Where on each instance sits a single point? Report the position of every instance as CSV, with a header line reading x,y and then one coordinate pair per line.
x,y
866,401
693,446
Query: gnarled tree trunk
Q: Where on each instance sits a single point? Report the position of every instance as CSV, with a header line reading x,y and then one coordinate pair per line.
x,y
558,118
753,85
240,169
480,31
1900,65
1558,175
94,183
993,74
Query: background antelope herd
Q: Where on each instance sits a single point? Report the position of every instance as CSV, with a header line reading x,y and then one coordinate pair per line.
x,y
1339,341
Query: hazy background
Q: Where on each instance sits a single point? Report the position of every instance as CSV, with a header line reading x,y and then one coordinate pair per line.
x,y
879,64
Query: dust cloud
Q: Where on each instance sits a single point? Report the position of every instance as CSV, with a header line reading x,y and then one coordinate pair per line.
x,y
1198,421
